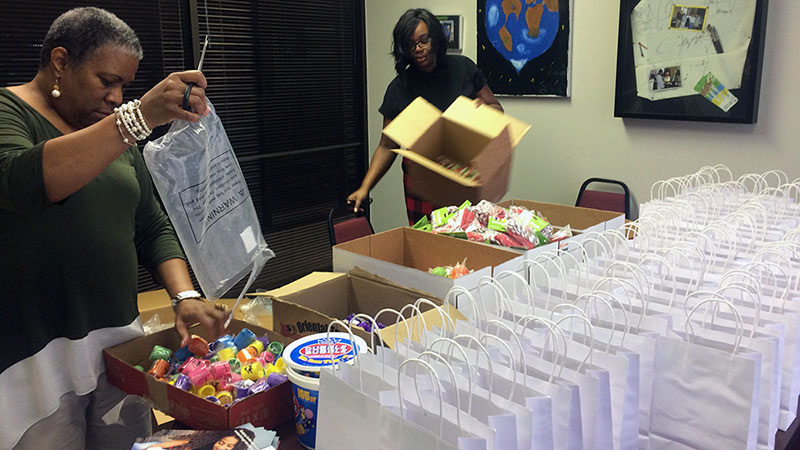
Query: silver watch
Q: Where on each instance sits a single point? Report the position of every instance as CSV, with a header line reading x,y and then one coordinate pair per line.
x,y
183,295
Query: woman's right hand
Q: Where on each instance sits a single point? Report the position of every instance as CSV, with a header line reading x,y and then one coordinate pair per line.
x,y
164,102
357,197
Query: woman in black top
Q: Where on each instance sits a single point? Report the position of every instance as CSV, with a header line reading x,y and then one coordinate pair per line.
x,y
423,70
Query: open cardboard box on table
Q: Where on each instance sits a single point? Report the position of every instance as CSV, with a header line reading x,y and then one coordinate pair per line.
x,y
481,138
267,409
404,255
580,220
309,304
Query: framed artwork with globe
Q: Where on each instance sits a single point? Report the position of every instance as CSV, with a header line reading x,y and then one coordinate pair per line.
x,y
524,46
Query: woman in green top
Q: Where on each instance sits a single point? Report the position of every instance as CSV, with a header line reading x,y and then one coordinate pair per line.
x,y
77,216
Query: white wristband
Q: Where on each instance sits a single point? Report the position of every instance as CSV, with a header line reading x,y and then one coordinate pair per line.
x,y
184,295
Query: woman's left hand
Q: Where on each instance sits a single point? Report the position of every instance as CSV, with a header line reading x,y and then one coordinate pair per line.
x,y
190,311
164,102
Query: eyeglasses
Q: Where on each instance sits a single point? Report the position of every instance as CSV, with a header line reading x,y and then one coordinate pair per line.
x,y
423,43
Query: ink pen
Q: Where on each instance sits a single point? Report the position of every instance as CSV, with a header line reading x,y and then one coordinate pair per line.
x,y
715,38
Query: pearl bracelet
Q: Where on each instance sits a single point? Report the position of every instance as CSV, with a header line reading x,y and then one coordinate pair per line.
x,y
130,116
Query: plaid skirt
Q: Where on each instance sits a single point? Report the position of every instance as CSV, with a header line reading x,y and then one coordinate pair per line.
x,y
416,208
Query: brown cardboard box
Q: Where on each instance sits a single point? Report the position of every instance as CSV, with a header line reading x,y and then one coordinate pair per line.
x,y
266,409
479,137
580,219
309,304
404,255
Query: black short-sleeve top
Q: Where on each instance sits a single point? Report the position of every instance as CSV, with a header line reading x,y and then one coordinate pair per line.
x,y
458,76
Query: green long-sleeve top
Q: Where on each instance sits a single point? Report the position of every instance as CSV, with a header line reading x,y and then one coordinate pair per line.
x,y
70,268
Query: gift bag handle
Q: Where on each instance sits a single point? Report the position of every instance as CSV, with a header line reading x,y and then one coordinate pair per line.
x,y
419,396
422,326
610,280
687,325
590,327
523,282
772,266
465,291
526,265
453,378
510,357
578,266
374,329
671,270
466,361
442,314
617,234
331,348
634,270
472,339
501,296
396,327
596,296
552,258
552,327
519,344
756,299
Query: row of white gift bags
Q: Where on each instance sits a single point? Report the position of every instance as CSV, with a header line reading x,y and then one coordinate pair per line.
x,y
770,348
619,366
398,416
641,316
770,212
546,411
518,419
608,387
656,421
625,351
495,392
770,317
764,223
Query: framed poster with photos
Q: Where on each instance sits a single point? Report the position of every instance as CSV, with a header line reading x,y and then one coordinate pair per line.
x,y
452,31
696,60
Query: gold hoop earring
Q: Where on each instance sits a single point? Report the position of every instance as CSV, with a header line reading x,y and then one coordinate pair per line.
x,y
56,92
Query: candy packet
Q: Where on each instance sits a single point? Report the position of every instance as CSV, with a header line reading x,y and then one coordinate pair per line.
x,y
458,270
465,171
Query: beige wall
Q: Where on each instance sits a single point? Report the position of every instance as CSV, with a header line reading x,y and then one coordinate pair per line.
x,y
577,138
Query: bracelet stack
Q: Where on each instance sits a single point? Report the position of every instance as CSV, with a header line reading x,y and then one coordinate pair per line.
x,y
130,116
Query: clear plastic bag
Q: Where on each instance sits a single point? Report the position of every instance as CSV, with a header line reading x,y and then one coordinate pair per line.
x,y
205,194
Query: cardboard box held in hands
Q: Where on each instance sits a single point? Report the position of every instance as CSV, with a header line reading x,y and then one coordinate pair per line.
x,y
308,305
478,137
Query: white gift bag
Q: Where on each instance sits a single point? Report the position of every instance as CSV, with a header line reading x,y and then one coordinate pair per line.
x,y
445,422
345,410
566,403
595,392
769,398
623,370
479,403
705,394
722,329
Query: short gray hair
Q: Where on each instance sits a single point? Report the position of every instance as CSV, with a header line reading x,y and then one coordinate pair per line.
x,y
84,30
